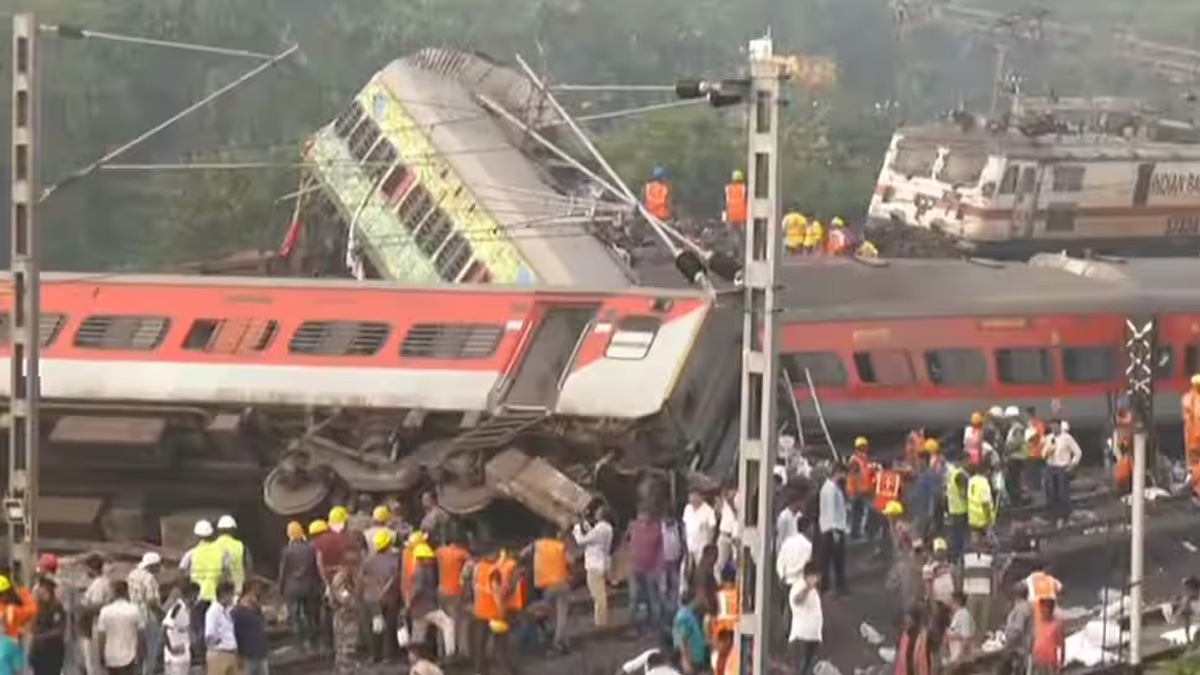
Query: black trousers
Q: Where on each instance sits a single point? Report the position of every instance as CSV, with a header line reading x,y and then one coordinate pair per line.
x,y
383,645
48,660
492,652
833,560
805,652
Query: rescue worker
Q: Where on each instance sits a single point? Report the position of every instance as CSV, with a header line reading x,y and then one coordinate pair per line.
x,y
973,440
408,563
423,609
867,250
814,238
1122,450
914,447
381,518
1062,456
927,496
551,578
938,574
332,541
206,564
656,195
727,610
1016,452
235,550
735,200
17,606
381,599
795,229
1191,426
887,504
981,514
838,240
487,612
452,560
345,599
860,486
956,508
1035,441
300,585
978,575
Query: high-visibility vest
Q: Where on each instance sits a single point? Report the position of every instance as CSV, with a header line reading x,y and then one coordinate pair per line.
x,y
735,203
1191,420
408,566
1042,586
486,608
860,480
956,498
549,563
794,228
208,563
973,444
656,195
451,559
237,560
726,617
979,502
1038,439
731,663
514,593
867,250
837,241
887,488
19,615
814,235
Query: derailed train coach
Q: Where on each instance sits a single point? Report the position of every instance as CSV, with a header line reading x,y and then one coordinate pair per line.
x,y
168,394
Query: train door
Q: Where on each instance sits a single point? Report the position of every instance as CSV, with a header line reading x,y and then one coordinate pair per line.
x,y
1025,201
549,352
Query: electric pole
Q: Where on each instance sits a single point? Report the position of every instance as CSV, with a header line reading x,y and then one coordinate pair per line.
x,y
20,500
760,361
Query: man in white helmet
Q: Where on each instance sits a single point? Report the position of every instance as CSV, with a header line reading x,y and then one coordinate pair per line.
x,y
239,556
206,564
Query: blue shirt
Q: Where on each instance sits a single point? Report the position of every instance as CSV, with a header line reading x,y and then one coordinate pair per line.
x,y
218,629
690,635
833,508
12,659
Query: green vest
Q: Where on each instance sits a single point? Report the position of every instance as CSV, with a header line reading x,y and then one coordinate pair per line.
x,y
979,503
208,562
956,500
237,560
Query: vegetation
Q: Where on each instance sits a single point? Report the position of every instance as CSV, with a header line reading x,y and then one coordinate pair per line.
x,y
100,94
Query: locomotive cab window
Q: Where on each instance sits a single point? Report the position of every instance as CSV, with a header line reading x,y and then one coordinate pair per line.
x,y
632,337
230,336
339,338
132,333
956,367
825,368
1024,365
49,326
451,341
884,366
1083,365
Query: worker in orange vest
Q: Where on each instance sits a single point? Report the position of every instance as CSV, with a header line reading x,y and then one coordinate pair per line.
x,y
860,486
735,200
725,618
551,578
656,195
1191,422
489,634
838,239
1035,442
18,607
1042,586
1122,449
887,488
452,559
973,440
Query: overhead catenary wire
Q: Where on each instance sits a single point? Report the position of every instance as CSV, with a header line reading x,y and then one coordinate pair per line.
x,y
72,32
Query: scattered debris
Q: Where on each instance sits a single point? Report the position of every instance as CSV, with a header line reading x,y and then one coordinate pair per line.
x,y
872,636
1191,548
888,654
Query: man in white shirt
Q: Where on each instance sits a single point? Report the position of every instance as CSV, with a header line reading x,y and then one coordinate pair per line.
x,y
787,522
219,638
794,554
177,627
119,631
1062,456
977,580
835,526
728,532
808,620
596,543
699,525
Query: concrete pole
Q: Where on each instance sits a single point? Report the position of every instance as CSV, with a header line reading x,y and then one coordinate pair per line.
x,y
760,366
1137,546
20,501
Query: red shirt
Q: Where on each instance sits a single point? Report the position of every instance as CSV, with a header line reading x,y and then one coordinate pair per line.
x,y
1047,638
331,548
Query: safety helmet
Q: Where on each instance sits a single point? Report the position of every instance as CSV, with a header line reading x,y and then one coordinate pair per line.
x,y
5,584
381,514
423,551
738,176
48,563
338,515
837,222
940,544
417,537
976,418
498,626
203,528
1012,411
226,522
295,531
861,442
996,411
658,172
383,540
893,508
1196,380
317,527
931,446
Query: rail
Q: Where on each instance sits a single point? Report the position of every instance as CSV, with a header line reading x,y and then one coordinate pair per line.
x,y
812,391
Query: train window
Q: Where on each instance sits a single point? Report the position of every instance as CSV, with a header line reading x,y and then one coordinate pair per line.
x,y
825,368
134,333
956,367
349,119
380,160
396,178
339,338
230,336
48,328
632,337
415,207
453,256
1008,184
1060,218
364,138
1083,365
884,366
451,341
1024,365
1068,179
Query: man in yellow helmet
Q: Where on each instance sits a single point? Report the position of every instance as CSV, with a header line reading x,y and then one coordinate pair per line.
x,y
381,518
300,582
860,486
795,227
735,201
423,608
381,597
839,239
814,238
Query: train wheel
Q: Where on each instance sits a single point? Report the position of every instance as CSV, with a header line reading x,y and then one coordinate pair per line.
x,y
288,495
